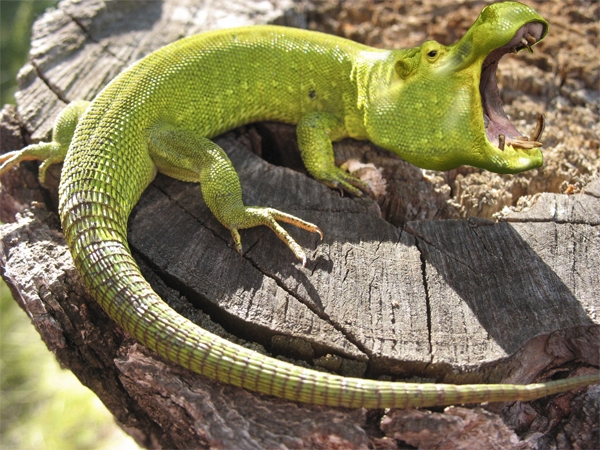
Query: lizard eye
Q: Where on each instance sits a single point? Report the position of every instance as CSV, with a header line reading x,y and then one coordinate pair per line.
x,y
432,53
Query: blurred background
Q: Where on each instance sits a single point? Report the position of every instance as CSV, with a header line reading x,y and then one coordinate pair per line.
x,y
42,406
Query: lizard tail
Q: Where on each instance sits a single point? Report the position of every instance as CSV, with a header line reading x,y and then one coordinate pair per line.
x,y
114,279
94,213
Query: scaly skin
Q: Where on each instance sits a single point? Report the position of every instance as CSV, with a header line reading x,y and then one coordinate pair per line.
x,y
424,104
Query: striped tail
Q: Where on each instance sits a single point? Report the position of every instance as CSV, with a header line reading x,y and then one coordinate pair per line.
x,y
113,277
94,209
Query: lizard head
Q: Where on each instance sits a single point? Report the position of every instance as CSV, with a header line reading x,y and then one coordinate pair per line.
x,y
439,106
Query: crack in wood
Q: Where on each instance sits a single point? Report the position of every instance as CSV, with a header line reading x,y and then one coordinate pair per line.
x,y
427,300
53,88
420,237
215,311
89,36
321,314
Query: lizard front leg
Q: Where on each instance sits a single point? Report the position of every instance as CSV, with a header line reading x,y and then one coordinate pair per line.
x,y
49,152
185,155
316,131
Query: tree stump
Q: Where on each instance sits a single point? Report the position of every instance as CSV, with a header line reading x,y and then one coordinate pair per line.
x,y
453,301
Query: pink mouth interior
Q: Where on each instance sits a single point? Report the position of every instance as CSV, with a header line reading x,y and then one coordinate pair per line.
x,y
495,119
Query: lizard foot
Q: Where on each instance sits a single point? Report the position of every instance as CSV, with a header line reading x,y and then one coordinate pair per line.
x,y
48,152
268,216
338,178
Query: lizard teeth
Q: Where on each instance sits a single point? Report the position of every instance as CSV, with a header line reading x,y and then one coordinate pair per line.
x,y
539,128
532,40
524,142
526,43
517,143
532,141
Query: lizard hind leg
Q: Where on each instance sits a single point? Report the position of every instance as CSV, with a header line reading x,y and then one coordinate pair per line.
x,y
49,152
187,156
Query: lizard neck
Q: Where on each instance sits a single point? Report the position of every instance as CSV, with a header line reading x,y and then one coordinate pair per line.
x,y
376,77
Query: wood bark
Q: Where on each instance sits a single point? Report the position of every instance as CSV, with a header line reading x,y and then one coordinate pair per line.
x,y
451,301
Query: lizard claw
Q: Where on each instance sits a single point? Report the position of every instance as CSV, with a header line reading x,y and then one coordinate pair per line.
x,y
338,178
269,217
47,152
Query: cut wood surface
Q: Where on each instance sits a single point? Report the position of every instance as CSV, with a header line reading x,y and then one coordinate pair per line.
x,y
433,301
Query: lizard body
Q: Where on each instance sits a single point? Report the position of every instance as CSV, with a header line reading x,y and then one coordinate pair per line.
x,y
435,106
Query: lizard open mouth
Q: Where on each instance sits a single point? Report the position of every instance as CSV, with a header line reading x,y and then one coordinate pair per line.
x,y
498,128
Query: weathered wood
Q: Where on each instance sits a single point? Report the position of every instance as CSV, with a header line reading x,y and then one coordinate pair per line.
x,y
505,283
451,301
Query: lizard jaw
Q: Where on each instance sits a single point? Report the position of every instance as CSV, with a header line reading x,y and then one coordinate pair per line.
x,y
499,130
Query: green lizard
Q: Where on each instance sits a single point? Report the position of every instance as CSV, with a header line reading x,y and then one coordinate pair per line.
x,y
437,107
